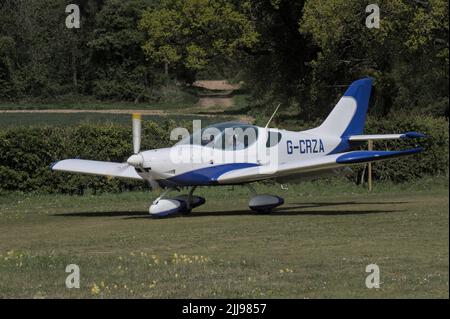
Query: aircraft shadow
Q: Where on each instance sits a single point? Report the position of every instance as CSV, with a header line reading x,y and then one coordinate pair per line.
x,y
320,204
293,211
103,214
297,209
288,211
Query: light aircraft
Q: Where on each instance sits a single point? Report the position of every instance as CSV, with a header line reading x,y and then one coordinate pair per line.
x,y
240,154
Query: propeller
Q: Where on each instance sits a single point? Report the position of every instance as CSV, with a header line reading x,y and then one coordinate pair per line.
x,y
137,160
137,128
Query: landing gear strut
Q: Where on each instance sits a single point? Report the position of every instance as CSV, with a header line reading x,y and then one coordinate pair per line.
x,y
190,201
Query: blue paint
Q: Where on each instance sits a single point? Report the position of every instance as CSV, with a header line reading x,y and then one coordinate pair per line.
x,y
289,147
306,146
321,148
208,175
302,147
370,156
360,91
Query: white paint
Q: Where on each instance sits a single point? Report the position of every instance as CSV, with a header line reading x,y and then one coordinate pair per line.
x,y
164,205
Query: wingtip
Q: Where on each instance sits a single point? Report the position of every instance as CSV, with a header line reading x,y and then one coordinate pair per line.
x,y
414,135
53,165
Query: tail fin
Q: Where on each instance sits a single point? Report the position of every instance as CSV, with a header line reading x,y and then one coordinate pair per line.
x,y
349,115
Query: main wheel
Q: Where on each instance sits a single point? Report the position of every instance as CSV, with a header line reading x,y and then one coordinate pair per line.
x,y
264,204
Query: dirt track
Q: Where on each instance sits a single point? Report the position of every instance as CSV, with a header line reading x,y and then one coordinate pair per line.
x,y
221,85
209,104
242,118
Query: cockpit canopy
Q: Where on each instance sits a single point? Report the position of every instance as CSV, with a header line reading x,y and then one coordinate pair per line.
x,y
225,136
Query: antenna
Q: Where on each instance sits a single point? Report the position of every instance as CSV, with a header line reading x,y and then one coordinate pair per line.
x,y
267,125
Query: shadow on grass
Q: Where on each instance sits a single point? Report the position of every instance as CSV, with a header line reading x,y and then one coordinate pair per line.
x,y
103,214
298,209
324,204
293,211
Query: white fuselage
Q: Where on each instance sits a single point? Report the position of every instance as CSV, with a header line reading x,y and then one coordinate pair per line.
x,y
191,165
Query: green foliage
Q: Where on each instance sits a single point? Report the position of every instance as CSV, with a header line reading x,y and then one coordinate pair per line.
x,y
7,53
191,33
434,160
121,71
276,70
27,152
298,53
407,55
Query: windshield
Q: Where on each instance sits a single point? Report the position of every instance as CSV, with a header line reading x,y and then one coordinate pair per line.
x,y
227,136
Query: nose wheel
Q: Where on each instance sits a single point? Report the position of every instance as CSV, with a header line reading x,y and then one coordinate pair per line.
x,y
162,207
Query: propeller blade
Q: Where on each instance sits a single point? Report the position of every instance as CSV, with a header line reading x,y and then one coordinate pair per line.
x,y
136,121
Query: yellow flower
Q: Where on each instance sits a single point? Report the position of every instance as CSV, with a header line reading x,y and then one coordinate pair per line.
x,y
95,289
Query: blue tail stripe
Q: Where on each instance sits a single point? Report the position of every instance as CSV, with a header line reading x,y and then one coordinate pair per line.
x,y
360,91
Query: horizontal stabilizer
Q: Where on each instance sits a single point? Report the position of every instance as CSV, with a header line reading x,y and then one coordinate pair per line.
x,y
371,156
109,169
376,137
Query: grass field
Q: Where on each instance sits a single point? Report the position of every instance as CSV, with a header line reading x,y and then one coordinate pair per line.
x,y
317,245
56,119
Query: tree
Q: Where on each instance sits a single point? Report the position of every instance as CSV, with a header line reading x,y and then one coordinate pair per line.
x,y
121,69
191,33
277,69
407,56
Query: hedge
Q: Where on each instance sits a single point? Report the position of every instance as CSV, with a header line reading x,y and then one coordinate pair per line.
x,y
27,152
434,160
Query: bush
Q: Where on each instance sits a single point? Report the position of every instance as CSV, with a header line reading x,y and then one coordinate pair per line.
x,y
434,160
27,152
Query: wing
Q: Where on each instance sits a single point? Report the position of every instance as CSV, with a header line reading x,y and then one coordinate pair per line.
x,y
326,162
109,169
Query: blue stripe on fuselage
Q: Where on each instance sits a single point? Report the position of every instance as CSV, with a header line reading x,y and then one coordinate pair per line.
x,y
207,175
